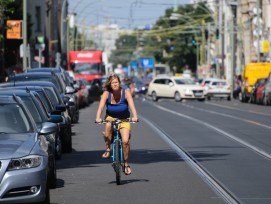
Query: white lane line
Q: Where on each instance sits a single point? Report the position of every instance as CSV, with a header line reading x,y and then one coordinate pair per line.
x,y
222,132
229,116
224,106
203,173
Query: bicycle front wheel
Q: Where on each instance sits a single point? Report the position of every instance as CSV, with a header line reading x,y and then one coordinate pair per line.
x,y
117,163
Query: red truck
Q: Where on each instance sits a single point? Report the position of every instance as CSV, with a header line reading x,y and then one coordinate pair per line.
x,y
86,64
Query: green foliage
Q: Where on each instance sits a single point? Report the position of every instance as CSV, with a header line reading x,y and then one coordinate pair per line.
x,y
5,11
169,41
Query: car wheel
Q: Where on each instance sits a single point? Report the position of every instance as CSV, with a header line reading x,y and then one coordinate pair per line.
x,y
67,141
264,100
240,97
154,96
52,173
229,98
76,116
58,148
202,99
208,98
177,97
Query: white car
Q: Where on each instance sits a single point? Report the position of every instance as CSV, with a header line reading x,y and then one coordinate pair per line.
x,y
175,87
218,88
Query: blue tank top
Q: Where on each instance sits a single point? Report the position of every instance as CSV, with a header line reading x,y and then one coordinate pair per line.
x,y
119,110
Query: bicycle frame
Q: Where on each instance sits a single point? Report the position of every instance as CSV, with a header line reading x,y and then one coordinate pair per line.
x,y
116,137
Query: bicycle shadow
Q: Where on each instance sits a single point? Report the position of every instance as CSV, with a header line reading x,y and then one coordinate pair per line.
x,y
124,182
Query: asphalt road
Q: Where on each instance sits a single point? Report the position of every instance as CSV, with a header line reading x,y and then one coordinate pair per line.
x,y
188,152
159,175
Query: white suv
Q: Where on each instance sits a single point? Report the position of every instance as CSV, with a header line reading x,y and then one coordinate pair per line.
x,y
218,88
175,87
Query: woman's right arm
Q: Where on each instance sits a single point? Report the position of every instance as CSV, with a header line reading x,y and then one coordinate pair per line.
x,y
101,106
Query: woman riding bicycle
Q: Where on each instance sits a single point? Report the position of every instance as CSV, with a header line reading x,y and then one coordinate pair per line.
x,y
118,102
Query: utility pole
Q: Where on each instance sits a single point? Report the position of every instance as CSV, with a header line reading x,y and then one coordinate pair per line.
x,y
24,34
258,31
208,45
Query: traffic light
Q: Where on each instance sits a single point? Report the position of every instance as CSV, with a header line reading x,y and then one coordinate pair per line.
x,y
217,33
194,42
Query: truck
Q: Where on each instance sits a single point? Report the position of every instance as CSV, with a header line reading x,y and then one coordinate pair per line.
x,y
86,64
252,72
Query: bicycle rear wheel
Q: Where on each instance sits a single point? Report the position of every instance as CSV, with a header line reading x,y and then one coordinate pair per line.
x,y
117,163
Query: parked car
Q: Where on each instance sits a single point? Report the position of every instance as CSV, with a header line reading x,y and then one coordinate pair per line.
x,y
59,107
256,91
96,88
267,91
83,92
47,106
218,88
53,78
24,158
39,116
175,87
70,90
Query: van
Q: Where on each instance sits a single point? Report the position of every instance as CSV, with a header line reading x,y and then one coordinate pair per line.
x,y
251,73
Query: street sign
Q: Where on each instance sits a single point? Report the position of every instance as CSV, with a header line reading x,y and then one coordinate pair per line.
x,y
14,30
146,62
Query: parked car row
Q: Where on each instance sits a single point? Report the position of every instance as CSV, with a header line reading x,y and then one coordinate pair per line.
x,y
261,91
37,110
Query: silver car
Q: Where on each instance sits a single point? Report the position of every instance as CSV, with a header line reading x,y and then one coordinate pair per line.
x,y
23,154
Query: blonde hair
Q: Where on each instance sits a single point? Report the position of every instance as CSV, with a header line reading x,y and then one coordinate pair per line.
x,y
111,77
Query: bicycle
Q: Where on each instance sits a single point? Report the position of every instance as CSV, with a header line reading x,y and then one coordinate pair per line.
x,y
117,157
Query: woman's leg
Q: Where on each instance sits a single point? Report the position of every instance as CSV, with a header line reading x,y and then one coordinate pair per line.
x,y
125,135
107,139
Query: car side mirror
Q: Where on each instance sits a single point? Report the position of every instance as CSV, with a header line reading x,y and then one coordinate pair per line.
x,y
69,90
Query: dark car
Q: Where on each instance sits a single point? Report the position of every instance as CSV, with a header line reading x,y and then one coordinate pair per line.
x,y
39,116
69,89
59,107
23,154
50,77
96,88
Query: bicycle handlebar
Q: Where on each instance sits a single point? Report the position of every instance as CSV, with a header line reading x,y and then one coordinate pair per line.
x,y
129,120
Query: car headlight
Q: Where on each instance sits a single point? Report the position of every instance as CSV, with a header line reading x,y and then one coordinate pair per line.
x,y
25,162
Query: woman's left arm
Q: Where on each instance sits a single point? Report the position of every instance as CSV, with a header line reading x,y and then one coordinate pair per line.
x,y
131,104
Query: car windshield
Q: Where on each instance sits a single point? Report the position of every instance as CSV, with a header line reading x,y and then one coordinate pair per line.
x,y
32,108
13,119
184,81
86,68
219,83
52,94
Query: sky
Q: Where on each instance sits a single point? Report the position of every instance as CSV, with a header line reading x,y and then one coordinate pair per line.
x,y
128,14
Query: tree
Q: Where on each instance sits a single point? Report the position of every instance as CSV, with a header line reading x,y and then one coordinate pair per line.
x,y
125,47
176,34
